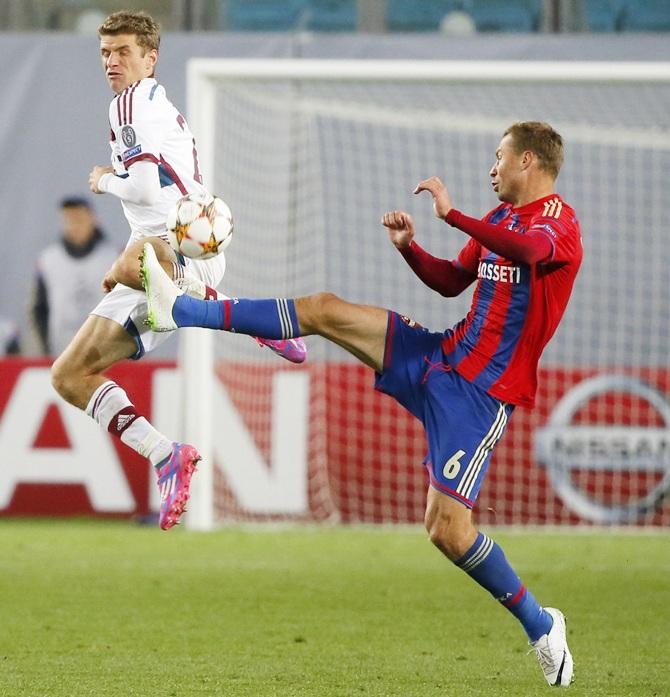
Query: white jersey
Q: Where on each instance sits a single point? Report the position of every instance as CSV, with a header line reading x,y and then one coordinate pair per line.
x,y
146,126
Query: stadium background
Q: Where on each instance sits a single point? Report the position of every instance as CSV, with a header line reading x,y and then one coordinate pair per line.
x,y
109,607
54,129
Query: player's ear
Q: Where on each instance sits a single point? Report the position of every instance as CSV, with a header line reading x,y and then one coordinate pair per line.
x,y
152,56
527,159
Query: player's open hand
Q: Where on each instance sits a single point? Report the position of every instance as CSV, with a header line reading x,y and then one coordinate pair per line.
x,y
94,177
400,228
441,199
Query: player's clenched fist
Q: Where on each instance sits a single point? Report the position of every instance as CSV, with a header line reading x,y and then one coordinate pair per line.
x,y
400,227
94,177
441,199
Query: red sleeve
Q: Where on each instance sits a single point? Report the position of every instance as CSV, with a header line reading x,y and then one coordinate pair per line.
x,y
447,277
468,257
562,234
509,244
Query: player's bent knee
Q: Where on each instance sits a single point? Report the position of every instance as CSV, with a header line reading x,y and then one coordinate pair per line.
x,y
446,541
438,534
448,535
317,312
127,270
61,379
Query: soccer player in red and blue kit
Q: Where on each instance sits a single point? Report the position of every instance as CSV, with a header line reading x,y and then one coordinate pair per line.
x,y
464,383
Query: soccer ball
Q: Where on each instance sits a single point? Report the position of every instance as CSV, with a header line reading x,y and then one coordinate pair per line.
x,y
200,226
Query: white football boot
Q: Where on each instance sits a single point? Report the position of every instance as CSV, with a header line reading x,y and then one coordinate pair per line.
x,y
553,652
160,290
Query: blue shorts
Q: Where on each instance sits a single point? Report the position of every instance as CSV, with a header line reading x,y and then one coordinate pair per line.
x,y
462,422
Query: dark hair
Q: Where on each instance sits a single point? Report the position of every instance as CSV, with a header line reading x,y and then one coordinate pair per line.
x,y
141,24
540,138
75,202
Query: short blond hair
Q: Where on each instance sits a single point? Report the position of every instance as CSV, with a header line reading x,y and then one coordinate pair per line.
x,y
141,24
540,138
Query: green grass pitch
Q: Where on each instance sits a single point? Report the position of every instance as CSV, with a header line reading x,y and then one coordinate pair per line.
x,y
100,608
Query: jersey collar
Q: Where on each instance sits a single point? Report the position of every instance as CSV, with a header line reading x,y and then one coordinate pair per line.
x,y
534,206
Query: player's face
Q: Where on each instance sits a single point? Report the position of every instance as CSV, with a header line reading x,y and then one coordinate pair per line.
x,y
507,170
125,61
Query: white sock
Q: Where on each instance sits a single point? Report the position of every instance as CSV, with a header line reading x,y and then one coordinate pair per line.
x,y
197,289
110,407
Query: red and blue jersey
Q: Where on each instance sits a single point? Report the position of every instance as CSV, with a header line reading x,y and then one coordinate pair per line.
x,y
516,307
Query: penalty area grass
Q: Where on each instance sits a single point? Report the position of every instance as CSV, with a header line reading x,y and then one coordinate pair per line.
x,y
110,609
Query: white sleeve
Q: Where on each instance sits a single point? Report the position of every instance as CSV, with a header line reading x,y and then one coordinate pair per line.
x,y
142,185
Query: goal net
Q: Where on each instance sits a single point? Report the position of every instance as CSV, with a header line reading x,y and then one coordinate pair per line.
x,y
309,155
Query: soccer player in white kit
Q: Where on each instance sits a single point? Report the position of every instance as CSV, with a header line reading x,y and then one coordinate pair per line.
x,y
154,163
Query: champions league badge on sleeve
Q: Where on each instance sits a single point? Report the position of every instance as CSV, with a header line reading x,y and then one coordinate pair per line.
x,y
616,470
128,136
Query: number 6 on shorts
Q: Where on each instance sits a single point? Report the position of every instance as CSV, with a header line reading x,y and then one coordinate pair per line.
x,y
453,465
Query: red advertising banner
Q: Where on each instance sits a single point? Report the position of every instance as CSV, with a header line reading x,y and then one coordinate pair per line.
x,y
596,448
55,459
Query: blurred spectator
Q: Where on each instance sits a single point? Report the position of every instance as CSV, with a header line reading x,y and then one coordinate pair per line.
x,y
458,23
69,274
10,344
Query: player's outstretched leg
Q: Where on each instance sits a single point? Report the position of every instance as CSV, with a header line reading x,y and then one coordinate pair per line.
x,y
174,480
553,652
292,350
163,295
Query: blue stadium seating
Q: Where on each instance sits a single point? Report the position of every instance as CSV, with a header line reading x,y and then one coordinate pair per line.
x,y
506,15
420,15
602,15
263,15
646,15
331,15
426,15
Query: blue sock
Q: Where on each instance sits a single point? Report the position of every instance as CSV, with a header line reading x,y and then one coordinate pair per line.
x,y
486,563
191,312
273,318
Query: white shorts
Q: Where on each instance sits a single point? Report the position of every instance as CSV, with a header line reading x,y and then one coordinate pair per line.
x,y
128,307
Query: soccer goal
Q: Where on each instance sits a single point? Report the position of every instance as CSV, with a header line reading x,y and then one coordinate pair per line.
x,y
309,154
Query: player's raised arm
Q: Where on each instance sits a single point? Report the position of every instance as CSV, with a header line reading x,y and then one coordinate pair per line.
x,y
439,192
528,249
444,276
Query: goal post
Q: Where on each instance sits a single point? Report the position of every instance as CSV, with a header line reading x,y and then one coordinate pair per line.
x,y
196,347
309,154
